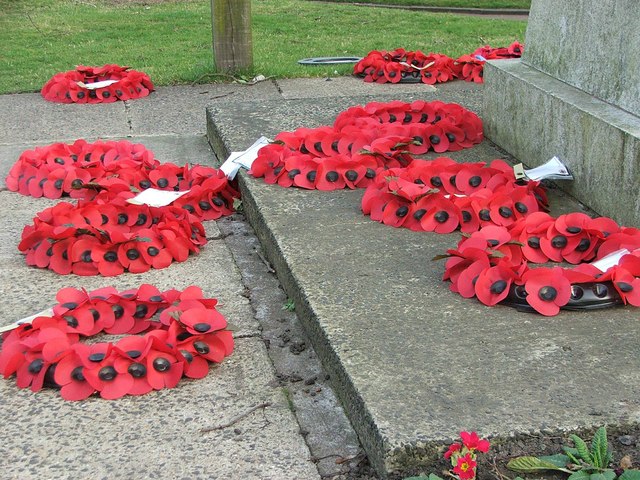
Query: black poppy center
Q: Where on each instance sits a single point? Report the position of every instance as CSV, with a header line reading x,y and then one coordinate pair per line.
x,y
77,375
402,211
137,370
332,176
505,212
141,311
201,347
35,366
521,207
161,364
548,293
293,173
436,181
559,241
351,175
441,216
498,287
418,214
107,374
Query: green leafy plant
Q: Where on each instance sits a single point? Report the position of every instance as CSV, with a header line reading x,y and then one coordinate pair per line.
x,y
582,462
289,306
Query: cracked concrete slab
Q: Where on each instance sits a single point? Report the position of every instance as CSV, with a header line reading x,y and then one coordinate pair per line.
x,y
412,362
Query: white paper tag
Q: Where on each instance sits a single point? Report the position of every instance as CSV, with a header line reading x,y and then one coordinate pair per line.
x,y
243,159
93,86
481,58
554,169
611,260
156,198
424,67
45,313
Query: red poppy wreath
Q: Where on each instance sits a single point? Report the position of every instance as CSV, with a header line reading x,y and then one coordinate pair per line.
x,y
493,264
400,65
364,139
442,195
105,84
108,235
183,333
104,233
82,169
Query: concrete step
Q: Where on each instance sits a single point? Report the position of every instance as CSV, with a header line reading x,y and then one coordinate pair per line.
x,y
413,363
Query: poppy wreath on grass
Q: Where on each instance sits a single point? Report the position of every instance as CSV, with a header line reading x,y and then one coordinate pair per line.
x,y
183,333
399,65
362,140
442,195
82,169
493,264
107,236
121,83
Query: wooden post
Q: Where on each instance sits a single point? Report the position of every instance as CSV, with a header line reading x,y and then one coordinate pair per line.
x,y
232,44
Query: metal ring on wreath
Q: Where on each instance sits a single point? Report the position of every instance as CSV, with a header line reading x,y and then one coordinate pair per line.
x,y
105,84
183,333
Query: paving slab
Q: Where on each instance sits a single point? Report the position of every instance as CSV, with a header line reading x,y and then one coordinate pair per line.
x,y
412,362
170,434
159,435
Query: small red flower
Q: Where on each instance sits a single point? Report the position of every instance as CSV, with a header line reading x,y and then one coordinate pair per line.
x,y
453,448
471,441
465,467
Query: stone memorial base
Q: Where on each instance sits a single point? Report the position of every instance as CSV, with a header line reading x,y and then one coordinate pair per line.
x,y
535,116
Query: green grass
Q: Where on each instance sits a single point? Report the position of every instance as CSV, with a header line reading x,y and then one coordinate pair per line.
x,y
171,41
449,3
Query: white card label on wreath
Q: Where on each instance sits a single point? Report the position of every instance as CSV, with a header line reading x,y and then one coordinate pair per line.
x,y
45,313
156,198
554,169
93,86
243,159
611,260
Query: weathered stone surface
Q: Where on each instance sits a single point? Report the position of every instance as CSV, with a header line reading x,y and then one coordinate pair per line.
x,y
413,363
590,44
535,116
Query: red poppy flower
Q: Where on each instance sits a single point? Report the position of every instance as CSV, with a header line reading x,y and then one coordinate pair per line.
x,y
442,216
465,281
111,382
492,285
164,370
626,279
328,176
547,289
69,375
201,320
212,346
